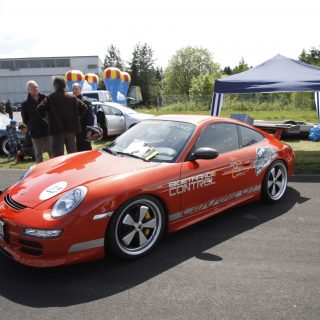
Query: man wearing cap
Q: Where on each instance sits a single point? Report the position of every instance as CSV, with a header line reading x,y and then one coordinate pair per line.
x,y
38,128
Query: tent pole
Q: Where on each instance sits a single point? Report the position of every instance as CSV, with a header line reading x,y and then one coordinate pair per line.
x,y
317,101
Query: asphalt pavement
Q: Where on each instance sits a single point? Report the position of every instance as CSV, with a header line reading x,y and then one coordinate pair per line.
x,y
257,261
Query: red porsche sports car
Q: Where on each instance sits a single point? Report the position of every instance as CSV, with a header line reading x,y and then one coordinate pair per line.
x,y
160,176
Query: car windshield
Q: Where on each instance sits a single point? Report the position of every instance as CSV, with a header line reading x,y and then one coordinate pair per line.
x,y
94,96
154,140
127,110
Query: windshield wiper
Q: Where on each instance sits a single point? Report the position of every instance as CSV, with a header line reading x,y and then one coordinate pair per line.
x,y
107,149
132,155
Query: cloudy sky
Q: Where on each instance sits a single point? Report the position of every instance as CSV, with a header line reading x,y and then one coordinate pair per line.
x,y
230,29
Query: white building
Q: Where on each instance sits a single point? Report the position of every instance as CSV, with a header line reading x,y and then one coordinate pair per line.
x,y
15,73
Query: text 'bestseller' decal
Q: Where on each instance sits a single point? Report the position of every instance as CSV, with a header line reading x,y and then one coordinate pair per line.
x,y
264,158
191,183
53,190
214,202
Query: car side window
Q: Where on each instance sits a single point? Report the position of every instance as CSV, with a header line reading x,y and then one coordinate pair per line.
x,y
220,136
249,136
107,110
116,112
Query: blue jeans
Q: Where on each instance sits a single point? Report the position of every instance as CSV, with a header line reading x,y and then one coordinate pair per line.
x,y
12,151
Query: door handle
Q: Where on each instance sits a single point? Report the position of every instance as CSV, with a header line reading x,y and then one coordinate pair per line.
x,y
246,163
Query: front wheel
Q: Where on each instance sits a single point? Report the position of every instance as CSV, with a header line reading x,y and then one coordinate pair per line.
x,y
275,182
136,227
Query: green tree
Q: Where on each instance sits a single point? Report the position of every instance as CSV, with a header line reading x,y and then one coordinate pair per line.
x,y
202,86
311,57
227,70
186,64
159,73
241,67
143,72
113,58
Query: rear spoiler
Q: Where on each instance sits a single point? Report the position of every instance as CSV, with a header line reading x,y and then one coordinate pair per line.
x,y
273,128
276,129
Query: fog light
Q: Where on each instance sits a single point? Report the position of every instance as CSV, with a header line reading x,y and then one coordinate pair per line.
x,y
43,234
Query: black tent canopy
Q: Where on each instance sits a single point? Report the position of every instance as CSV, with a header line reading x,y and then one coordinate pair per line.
x,y
279,74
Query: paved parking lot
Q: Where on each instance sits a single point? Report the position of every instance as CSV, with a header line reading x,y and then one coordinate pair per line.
x,y
254,262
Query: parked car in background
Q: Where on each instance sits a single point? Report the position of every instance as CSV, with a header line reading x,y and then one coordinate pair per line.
x,y
115,119
98,95
4,122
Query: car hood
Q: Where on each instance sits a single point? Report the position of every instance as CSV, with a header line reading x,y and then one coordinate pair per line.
x,y
60,174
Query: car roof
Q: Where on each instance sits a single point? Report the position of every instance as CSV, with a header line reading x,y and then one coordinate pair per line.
x,y
195,119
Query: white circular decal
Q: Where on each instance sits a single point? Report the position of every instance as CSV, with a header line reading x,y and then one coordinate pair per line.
x,y
53,190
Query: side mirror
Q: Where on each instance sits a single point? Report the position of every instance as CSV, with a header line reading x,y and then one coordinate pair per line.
x,y
203,153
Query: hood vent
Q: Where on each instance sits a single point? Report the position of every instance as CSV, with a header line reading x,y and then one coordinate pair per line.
x,y
13,204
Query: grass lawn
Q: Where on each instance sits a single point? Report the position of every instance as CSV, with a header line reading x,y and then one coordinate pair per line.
x,y
298,115
307,156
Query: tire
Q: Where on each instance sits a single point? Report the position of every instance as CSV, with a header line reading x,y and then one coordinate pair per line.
x,y
132,126
4,146
136,228
101,121
275,182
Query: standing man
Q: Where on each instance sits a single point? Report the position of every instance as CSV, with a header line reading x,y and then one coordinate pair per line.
x,y
86,120
9,109
2,108
64,112
38,128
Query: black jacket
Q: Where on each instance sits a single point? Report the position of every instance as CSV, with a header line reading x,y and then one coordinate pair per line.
x,y
88,118
37,127
64,112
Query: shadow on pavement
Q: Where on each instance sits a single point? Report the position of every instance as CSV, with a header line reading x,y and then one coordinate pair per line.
x,y
305,178
88,282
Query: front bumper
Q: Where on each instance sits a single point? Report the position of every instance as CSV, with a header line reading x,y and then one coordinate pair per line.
x,y
82,238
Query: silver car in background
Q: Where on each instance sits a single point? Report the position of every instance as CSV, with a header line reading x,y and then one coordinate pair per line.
x,y
115,119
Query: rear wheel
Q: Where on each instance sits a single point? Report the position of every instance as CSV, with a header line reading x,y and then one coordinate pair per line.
x,y
275,182
136,227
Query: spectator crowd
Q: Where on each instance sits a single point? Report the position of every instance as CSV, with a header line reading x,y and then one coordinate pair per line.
x,y
51,123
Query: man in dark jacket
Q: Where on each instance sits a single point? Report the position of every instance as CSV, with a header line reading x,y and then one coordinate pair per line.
x,y
64,112
9,109
38,128
86,120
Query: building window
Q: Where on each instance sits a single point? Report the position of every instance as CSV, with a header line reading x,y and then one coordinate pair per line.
x,y
92,66
35,64
63,63
48,63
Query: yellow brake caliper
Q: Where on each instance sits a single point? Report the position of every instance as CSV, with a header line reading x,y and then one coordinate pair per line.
x,y
146,231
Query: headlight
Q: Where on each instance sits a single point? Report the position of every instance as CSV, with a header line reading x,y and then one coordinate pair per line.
x,y
69,201
42,234
26,173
